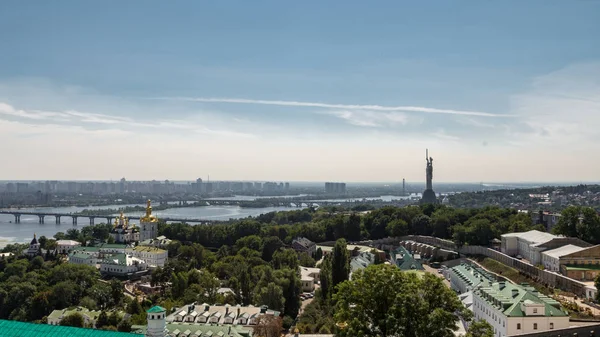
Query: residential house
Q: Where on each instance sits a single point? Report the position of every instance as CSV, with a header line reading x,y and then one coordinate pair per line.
x,y
302,244
308,278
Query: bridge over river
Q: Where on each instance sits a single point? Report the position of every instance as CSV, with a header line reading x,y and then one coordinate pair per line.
x,y
109,218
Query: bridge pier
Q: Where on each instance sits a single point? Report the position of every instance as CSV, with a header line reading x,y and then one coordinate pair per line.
x,y
92,220
41,218
109,220
17,218
74,220
58,219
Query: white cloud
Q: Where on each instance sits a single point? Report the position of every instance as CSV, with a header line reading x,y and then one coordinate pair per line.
x,y
118,122
334,106
369,118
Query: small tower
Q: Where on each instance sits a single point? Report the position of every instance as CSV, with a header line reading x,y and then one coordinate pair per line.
x,y
148,224
157,324
34,246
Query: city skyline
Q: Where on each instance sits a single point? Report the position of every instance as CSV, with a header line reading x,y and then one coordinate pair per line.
x,y
499,92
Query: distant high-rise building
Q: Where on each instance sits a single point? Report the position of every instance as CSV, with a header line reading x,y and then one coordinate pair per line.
x,y
403,187
335,188
122,186
287,187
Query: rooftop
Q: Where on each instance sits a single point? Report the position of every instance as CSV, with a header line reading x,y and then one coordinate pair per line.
x,y
363,260
405,261
80,255
532,236
122,259
22,329
508,298
148,249
474,276
304,242
562,251
182,329
67,243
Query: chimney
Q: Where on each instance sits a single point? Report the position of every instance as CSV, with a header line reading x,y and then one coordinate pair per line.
x,y
226,310
238,311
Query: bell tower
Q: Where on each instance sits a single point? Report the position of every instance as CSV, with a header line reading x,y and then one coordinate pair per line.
x,y
148,224
157,324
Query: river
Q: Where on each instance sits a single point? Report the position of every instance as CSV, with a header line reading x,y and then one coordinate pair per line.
x,y
23,232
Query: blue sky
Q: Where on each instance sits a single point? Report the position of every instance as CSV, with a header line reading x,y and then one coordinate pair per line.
x,y
311,90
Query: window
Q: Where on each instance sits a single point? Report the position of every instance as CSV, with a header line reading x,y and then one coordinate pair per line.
x,y
534,326
535,310
518,326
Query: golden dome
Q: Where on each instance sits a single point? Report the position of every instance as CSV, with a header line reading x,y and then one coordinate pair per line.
x,y
149,217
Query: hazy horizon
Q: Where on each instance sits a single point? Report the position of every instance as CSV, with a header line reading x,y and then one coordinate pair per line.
x,y
310,91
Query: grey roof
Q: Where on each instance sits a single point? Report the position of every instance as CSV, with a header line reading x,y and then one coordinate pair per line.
x,y
532,236
559,252
303,242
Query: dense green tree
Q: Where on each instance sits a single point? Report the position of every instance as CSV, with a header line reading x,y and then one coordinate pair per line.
x,y
116,291
74,319
271,296
340,263
421,225
124,325
286,258
114,319
253,242
480,328
325,278
271,244
318,254
305,260
102,320
397,228
382,301
567,224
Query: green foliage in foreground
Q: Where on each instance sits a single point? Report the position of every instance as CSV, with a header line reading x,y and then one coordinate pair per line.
x,y
383,301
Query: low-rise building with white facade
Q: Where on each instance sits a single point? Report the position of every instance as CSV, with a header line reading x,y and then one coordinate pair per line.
x,y
551,258
530,245
465,278
66,246
154,257
201,314
123,265
520,244
308,278
515,310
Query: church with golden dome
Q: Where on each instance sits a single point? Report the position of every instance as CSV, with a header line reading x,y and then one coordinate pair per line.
x,y
124,232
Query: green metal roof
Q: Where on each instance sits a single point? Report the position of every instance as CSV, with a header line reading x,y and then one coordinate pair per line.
x,y
112,245
81,255
156,309
508,298
407,262
582,267
22,329
206,330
